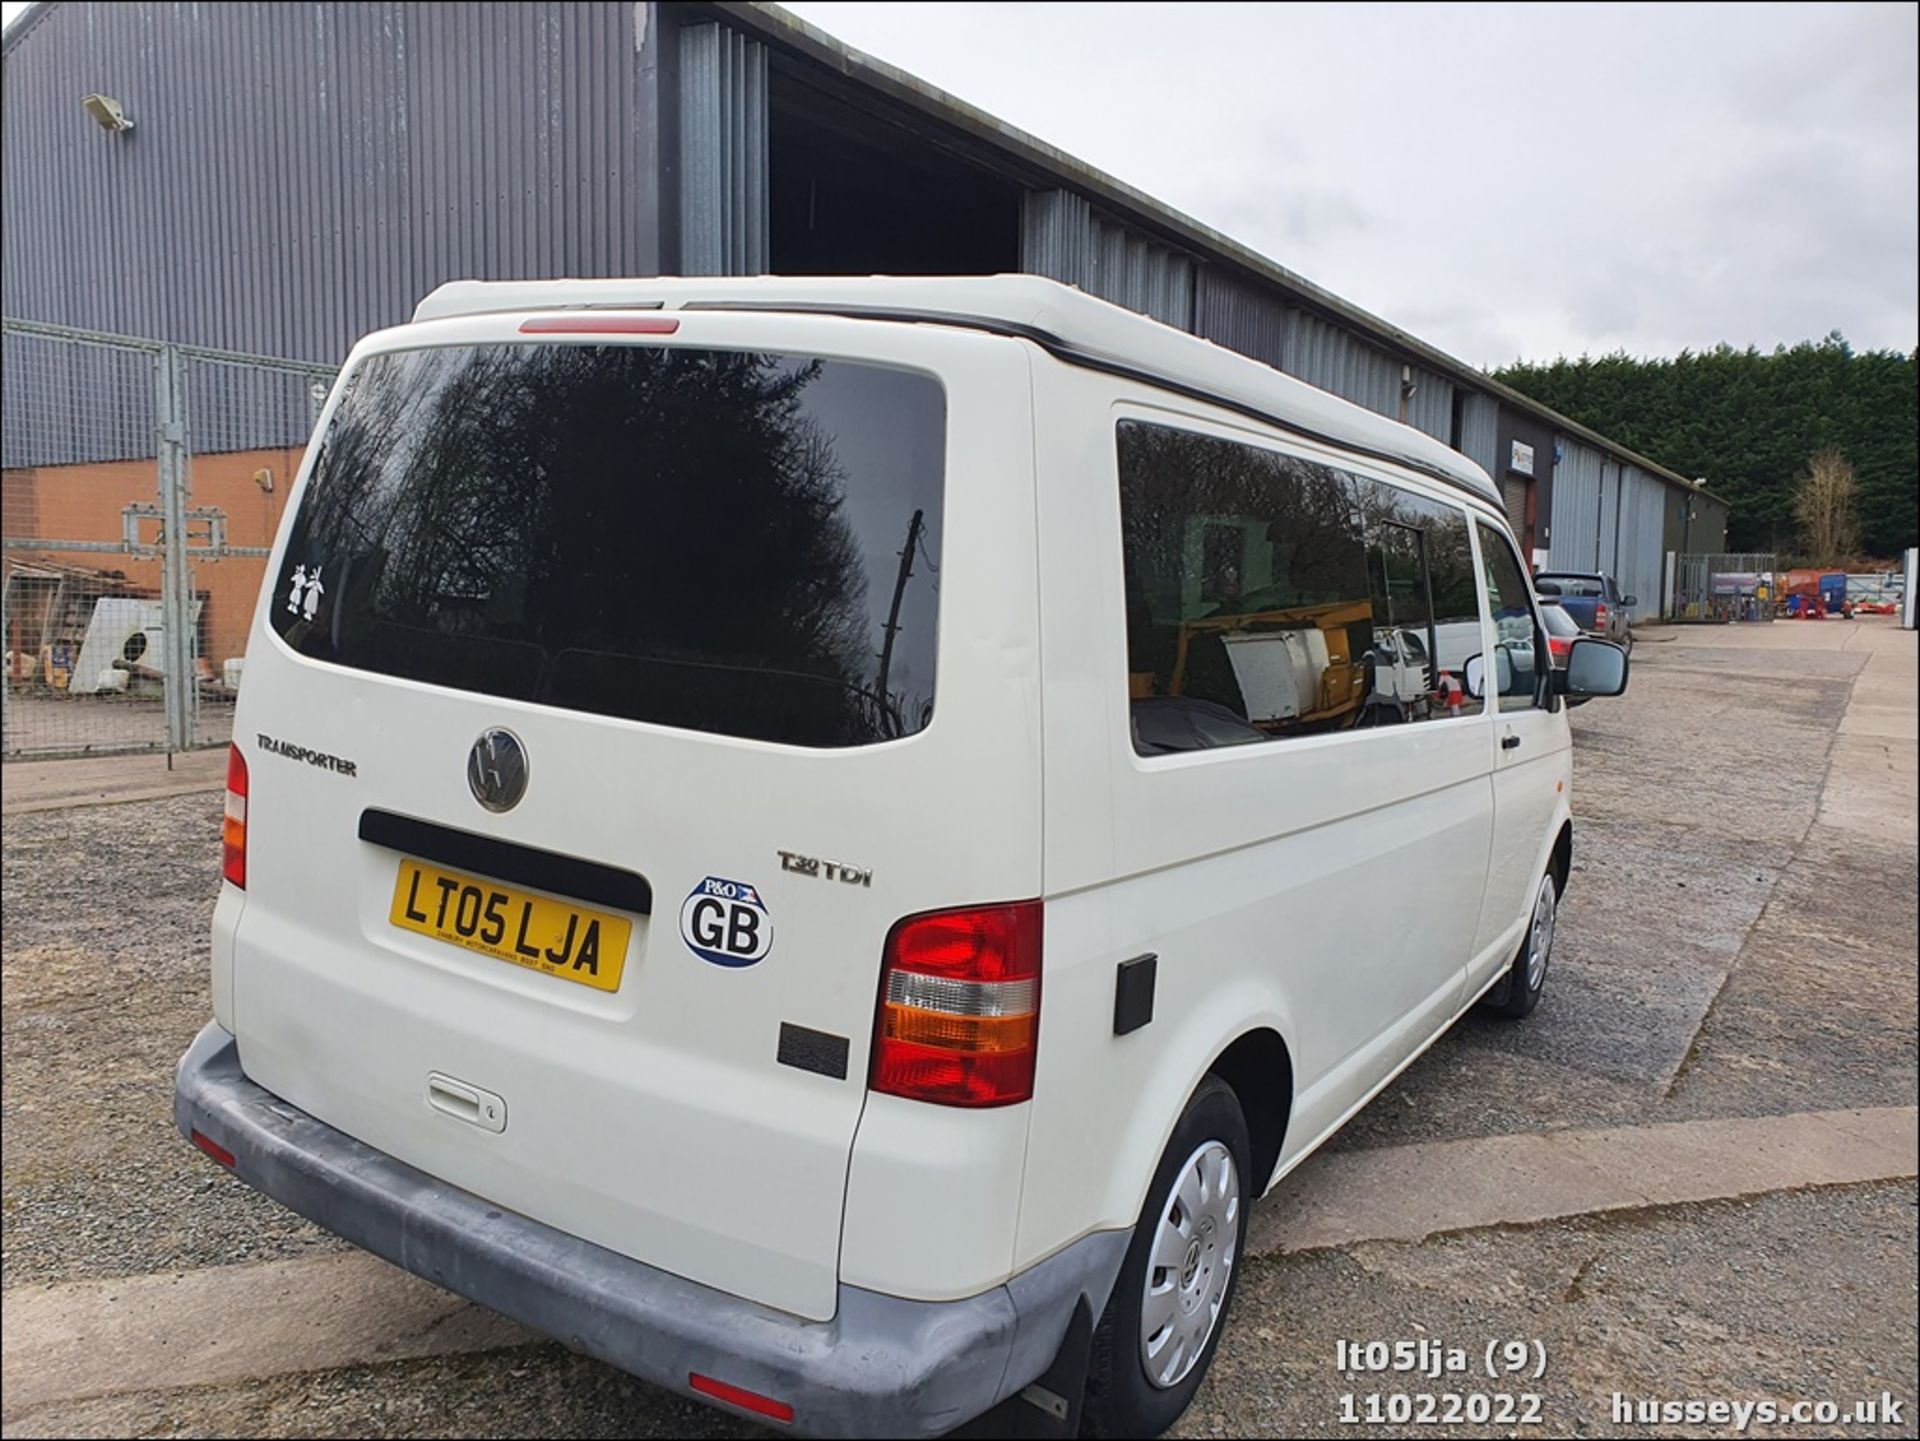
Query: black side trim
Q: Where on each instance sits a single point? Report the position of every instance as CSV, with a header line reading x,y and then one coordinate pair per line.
x,y
1133,993
503,860
809,1050
1062,351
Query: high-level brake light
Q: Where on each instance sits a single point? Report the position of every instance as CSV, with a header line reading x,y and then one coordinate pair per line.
x,y
582,323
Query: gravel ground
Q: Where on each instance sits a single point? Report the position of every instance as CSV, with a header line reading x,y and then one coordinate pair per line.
x,y
1802,1295
103,982
1797,1296
1665,997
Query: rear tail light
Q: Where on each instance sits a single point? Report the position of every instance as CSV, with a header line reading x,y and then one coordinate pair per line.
x,y
960,1006
233,830
1599,615
1559,645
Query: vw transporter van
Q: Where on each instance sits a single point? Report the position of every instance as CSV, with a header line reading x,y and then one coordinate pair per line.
x,y
823,841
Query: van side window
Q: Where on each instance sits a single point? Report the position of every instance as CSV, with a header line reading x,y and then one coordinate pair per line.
x,y
1272,596
1517,631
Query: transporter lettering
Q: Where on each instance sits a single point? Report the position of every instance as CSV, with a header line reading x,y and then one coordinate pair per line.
x,y
311,757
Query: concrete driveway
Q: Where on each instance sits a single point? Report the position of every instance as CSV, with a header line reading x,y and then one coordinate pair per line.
x,y
1689,1177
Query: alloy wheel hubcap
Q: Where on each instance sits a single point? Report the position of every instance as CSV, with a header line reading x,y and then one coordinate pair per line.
x,y
1190,1265
1540,937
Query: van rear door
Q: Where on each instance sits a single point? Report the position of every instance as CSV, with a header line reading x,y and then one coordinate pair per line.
x,y
620,680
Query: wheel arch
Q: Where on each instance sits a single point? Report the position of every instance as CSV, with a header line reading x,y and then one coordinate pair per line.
x,y
1259,1068
1560,860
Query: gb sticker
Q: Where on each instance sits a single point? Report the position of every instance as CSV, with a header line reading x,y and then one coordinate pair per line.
x,y
727,923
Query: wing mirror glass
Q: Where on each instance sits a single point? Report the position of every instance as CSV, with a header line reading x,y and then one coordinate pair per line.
x,y
1476,673
1594,668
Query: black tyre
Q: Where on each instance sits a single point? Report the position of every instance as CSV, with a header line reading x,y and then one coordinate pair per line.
x,y
1170,1303
1519,991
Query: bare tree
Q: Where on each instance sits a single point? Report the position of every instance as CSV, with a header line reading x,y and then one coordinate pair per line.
x,y
1825,508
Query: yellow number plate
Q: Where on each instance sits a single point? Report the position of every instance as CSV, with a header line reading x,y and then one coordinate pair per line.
x,y
537,932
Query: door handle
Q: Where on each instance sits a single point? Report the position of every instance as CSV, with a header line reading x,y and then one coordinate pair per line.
x,y
1509,743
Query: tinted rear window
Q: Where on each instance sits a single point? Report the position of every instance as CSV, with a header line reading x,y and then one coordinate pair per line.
x,y
746,544
1574,585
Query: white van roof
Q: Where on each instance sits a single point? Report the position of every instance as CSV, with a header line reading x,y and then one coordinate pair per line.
x,y
1067,321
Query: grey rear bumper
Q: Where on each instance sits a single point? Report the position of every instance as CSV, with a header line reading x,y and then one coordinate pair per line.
x,y
882,1367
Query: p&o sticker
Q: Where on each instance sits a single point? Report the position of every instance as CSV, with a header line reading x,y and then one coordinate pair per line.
x,y
727,923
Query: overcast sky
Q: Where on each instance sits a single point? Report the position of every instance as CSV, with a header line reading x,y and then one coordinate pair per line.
x,y
1502,180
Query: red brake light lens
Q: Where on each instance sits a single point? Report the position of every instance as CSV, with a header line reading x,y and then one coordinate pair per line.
x,y
959,1013
233,829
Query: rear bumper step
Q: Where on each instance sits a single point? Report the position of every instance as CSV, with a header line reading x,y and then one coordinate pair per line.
x,y
883,1366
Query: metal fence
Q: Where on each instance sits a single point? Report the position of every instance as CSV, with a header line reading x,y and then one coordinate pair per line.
x,y
142,485
1725,589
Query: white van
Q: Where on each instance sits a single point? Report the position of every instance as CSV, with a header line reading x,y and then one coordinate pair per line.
x,y
822,841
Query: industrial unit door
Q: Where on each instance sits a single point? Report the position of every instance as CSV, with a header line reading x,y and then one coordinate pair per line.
x,y
1515,492
1609,518
1640,554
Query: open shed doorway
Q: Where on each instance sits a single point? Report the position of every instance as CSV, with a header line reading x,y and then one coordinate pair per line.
x,y
855,193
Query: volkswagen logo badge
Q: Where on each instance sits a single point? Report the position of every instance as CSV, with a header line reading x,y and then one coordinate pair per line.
x,y
497,770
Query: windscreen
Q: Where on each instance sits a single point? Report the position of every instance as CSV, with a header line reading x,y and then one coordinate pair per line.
x,y
726,541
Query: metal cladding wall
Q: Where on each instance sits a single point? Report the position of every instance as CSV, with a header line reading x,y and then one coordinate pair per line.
x,y
67,403
1479,438
723,152
71,401
1062,236
1240,316
1430,408
1640,552
298,175
1579,486
1321,353
1612,517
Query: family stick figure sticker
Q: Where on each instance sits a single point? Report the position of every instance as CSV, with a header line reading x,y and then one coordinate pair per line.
x,y
304,596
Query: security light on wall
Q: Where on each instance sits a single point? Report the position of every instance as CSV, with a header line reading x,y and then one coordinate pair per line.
x,y
107,113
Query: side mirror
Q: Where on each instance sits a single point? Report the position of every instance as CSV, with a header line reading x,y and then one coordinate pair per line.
x,y
1594,668
1629,600
1475,669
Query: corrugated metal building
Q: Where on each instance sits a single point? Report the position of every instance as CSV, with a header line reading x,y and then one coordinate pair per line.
x,y
299,174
